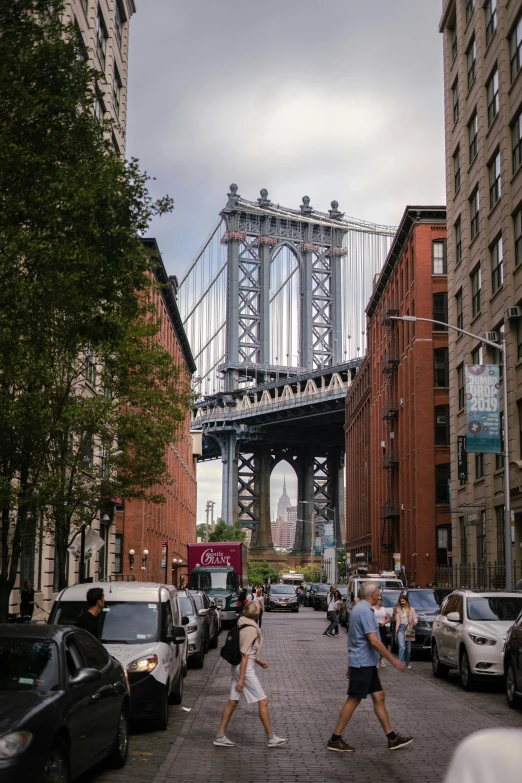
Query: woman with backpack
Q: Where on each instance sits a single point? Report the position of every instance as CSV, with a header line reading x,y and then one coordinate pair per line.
x,y
247,637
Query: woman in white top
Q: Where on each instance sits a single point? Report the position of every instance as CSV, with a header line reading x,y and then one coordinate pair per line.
x,y
382,617
334,607
258,598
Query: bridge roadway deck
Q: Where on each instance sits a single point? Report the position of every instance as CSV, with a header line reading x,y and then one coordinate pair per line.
x,y
306,686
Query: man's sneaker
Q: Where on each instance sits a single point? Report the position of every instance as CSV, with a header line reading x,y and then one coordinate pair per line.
x,y
408,666
340,746
275,742
224,742
399,742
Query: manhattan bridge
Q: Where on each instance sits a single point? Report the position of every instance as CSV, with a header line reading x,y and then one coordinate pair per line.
x,y
273,306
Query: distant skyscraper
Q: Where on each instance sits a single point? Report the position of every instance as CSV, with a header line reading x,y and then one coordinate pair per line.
x,y
284,502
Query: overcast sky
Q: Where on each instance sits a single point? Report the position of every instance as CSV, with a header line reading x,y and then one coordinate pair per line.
x,y
336,100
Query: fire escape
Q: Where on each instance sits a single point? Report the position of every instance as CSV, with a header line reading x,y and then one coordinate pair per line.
x,y
390,460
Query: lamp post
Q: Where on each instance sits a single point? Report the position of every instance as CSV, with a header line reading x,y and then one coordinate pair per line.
x,y
507,497
310,503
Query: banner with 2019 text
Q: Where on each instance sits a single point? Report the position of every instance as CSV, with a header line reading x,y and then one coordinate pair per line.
x,y
482,408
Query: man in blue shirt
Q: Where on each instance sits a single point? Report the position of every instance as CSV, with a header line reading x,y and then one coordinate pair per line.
x,y
364,649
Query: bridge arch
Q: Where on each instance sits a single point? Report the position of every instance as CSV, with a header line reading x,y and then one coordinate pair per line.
x,y
286,264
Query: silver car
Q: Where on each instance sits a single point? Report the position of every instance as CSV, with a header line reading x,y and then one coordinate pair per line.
x,y
195,630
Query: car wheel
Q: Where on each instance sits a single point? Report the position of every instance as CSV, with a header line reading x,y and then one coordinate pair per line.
x,y
214,641
198,660
343,622
295,611
438,668
512,697
205,646
268,609
466,677
56,768
176,694
163,720
120,748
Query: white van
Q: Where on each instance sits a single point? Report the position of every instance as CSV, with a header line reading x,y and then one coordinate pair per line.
x,y
141,626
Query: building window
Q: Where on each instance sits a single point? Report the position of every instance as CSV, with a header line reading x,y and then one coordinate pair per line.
x,y
460,385
519,344
442,477
474,213
438,257
116,92
517,219
501,552
477,356
499,457
470,5
454,43
516,138
463,481
458,242
87,450
471,58
479,465
463,541
90,367
456,169
101,39
515,48
481,538
460,312
118,553
442,425
99,108
440,312
473,138
492,92
119,21
85,4
455,95
495,185
497,275
476,285
491,19
440,367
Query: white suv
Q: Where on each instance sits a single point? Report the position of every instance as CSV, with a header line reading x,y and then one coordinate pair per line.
x,y
469,634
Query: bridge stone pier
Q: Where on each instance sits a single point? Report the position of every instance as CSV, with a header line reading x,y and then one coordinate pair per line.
x,y
284,298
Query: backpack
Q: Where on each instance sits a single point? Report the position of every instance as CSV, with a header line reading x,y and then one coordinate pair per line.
x,y
231,651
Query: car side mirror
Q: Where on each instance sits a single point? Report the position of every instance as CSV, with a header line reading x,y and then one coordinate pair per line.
x,y
202,612
84,677
454,617
185,620
178,635
212,604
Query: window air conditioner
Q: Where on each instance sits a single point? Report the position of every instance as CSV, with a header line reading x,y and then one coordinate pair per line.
x,y
402,506
513,312
383,444
492,336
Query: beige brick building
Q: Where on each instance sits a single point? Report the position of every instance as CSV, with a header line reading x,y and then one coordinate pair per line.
x,y
483,111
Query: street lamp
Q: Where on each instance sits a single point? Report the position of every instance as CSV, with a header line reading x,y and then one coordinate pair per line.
x,y
310,503
507,497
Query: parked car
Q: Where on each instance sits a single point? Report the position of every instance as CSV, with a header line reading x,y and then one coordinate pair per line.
x,y
513,663
321,597
469,634
355,582
207,609
141,626
425,603
281,597
64,704
307,590
195,629
309,595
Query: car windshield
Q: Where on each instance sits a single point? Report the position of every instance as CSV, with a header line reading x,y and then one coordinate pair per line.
x,y
283,589
390,598
389,583
127,622
213,580
323,589
198,600
186,606
28,665
342,589
494,608
424,600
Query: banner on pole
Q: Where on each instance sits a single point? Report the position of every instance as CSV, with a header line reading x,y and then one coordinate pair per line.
x,y
164,551
482,408
462,458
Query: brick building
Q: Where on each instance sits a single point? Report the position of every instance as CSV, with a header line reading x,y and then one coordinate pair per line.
x,y
407,382
142,526
357,435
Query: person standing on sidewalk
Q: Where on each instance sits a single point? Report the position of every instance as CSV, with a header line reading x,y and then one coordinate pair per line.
x,y
382,617
364,649
405,622
261,601
244,679
334,607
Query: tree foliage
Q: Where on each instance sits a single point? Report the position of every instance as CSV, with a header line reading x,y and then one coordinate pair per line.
x,y
312,573
75,279
224,532
260,571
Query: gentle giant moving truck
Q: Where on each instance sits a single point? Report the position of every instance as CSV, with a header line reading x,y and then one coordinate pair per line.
x,y
220,569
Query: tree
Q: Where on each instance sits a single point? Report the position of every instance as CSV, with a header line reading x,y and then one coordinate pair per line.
x,y
312,573
74,277
224,532
260,571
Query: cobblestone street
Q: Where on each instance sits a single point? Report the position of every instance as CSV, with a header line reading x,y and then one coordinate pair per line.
x,y
306,686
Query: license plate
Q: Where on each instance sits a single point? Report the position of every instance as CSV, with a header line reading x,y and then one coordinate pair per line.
x,y
283,604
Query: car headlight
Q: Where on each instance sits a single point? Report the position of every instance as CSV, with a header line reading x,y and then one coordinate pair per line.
x,y
275,600
482,640
191,628
147,664
15,743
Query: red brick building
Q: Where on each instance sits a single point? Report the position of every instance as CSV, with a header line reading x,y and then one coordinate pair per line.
x,y
357,436
142,526
409,418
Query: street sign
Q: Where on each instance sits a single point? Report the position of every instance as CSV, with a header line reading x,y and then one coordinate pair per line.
x,y
397,561
473,517
482,408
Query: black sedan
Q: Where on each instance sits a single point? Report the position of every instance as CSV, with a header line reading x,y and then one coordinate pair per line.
x,y
63,704
513,664
281,597
321,597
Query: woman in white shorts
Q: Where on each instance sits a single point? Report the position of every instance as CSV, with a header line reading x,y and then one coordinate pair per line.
x,y
244,679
